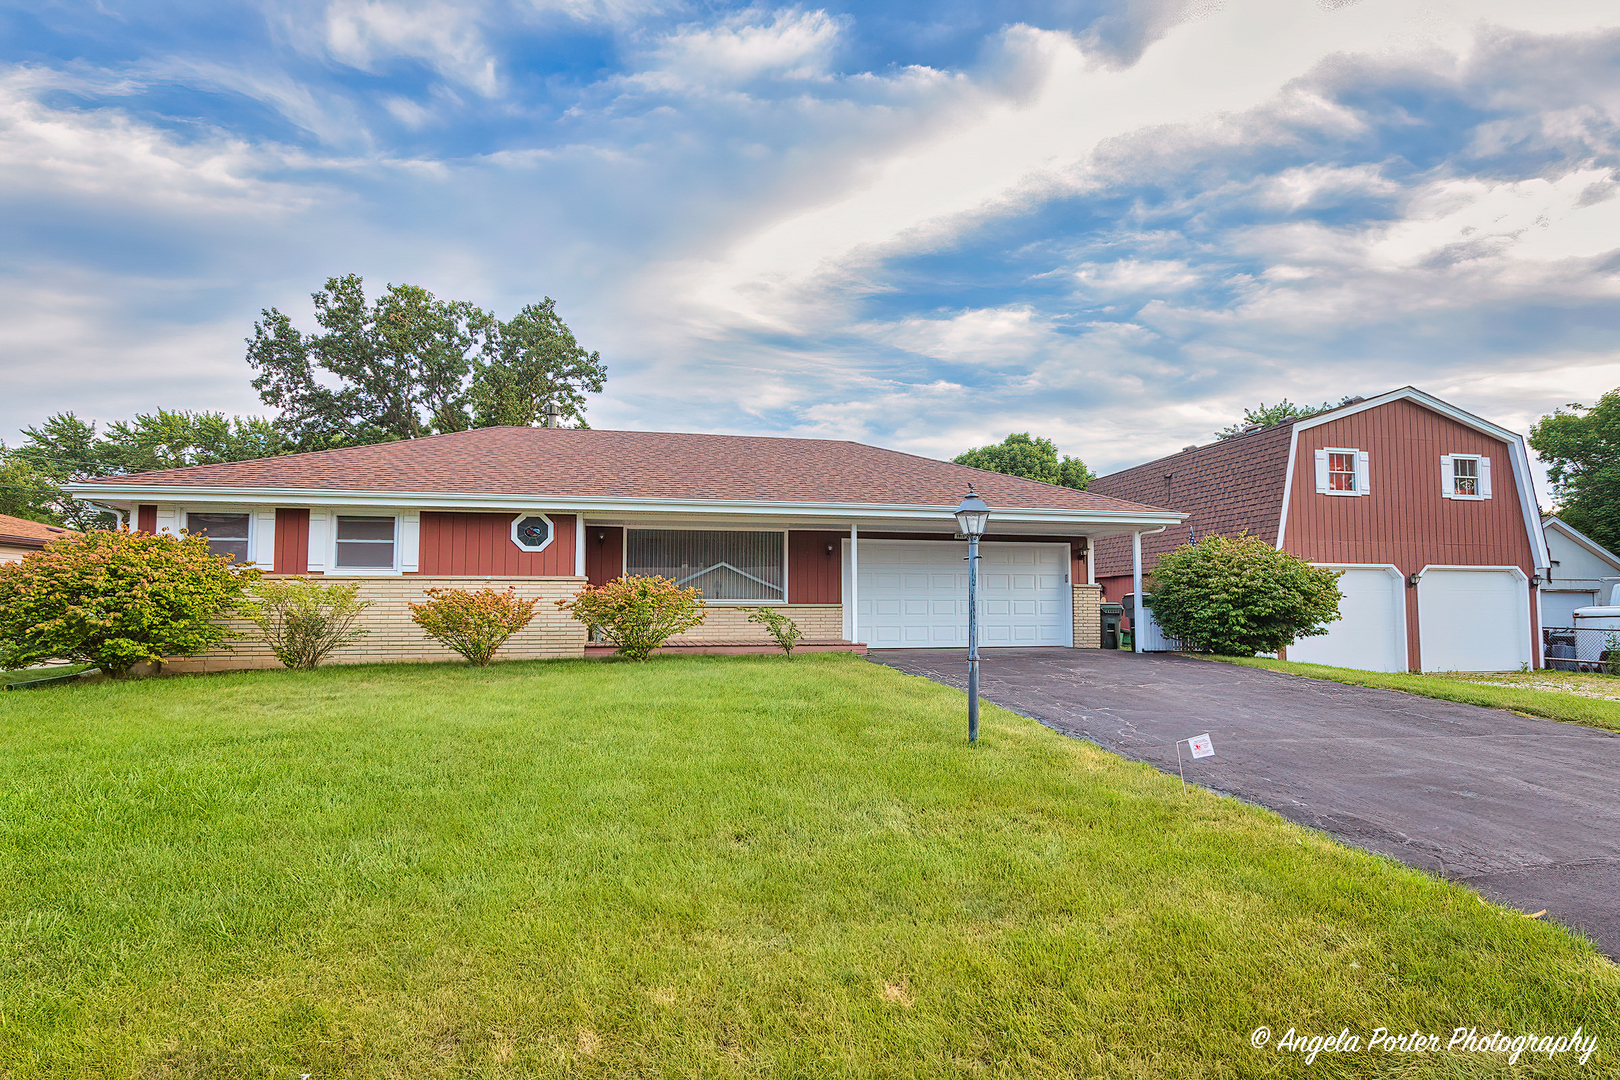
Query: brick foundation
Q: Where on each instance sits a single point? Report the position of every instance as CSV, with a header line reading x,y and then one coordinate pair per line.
x,y
1088,616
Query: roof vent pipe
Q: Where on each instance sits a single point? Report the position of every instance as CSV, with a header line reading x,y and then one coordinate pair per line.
x,y
553,416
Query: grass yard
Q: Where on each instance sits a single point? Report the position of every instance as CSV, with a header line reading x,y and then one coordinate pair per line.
x,y
1575,698
698,866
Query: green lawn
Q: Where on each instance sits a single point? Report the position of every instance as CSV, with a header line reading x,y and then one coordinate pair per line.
x,y
25,675
1567,696
699,866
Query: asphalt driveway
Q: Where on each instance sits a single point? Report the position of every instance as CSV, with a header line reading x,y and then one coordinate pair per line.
x,y
1526,811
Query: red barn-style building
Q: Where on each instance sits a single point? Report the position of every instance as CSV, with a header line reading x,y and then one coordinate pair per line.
x,y
1429,511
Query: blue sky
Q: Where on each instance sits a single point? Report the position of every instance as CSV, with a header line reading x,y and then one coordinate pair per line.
x,y
921,225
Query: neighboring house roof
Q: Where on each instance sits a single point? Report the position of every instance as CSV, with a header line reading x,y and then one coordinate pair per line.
x,y
20,532
1575,536
593,468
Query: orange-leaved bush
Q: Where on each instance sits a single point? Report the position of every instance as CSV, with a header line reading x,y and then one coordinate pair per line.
x,y
637,614
115,598
474,624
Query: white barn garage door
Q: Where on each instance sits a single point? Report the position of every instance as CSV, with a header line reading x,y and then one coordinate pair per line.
x,y
913,594
1473,620
1371,633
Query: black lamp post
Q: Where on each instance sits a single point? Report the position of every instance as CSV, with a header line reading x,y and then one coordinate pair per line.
x,y
971,518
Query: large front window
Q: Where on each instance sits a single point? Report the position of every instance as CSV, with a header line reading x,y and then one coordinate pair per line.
x,y
365,543
740,566
227,533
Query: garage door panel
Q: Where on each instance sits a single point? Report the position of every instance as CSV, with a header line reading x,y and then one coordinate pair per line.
x,y
1473,620
1371,632
915,593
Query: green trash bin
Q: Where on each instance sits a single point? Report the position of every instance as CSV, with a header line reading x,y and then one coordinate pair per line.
x,y
1126,641
1112,616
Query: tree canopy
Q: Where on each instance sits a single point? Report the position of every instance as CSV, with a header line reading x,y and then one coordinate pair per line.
x,y
1581,446
409,364
1270,415
65,448
1020,454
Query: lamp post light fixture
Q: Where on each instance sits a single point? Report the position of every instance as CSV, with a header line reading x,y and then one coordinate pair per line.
x,y
971,518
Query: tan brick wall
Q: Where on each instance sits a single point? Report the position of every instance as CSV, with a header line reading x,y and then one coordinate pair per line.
x,y
1088,616
394,637
730,625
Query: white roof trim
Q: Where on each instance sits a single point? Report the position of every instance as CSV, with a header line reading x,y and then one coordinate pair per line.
x,y
609,505
1582,539
1517,454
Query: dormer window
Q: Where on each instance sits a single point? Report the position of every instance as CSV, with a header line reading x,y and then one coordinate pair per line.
x,y
1341,470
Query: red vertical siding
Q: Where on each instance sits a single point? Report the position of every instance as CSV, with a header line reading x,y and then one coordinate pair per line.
x,y
292,541
1405,520
604,553
480,545
815,568
146,519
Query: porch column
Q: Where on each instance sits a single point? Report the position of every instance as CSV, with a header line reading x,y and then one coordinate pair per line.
x,y
1091,560
854,582
1136,584
579,544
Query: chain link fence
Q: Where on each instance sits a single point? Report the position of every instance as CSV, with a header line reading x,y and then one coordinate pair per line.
x,y
1567,648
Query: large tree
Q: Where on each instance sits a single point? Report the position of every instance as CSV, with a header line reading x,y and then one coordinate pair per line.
x,y
1581,447
409,364
1020,454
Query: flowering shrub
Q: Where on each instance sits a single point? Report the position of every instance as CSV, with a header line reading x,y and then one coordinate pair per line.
x,y
779,626
637,614
302,621
115,598
474,624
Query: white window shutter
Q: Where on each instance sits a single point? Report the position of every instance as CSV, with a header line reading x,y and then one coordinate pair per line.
x,y
1448,481
1321,472
1484,477
1361,472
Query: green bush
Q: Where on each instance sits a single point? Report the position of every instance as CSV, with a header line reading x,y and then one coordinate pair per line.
x,y
779,626
1240,596
637,614
302,620
115,598
474,624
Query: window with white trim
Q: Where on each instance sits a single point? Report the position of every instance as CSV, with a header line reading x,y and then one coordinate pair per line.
x,y
725,566
1341,470
227,534
364,543
1465,476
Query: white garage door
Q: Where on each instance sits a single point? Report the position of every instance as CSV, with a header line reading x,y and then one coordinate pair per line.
x,y
1473,620
913,594
1371,633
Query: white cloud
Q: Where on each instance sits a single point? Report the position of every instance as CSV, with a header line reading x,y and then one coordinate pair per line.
x,y
785,44
445,36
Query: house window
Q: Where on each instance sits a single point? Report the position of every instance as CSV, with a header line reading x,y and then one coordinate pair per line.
x,y
227,533
736,566
1342,470
1465,476
365,543
531,532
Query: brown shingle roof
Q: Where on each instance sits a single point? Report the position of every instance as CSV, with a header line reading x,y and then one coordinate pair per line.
x,y
20,532
1226,487
565,462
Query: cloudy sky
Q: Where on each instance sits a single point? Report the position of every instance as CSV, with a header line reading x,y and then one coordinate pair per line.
x,y
918,223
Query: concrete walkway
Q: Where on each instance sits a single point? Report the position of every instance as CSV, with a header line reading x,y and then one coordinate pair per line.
x,y
1526,811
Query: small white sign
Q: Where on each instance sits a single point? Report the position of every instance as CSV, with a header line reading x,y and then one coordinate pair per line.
x,y
1201,745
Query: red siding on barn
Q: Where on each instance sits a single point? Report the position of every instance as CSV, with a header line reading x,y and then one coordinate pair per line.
x,y
146,519
604,553
1405,520
292,540
479,545
815,573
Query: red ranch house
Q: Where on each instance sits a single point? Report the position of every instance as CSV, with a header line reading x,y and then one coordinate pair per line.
x,y
854,542
1428,510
